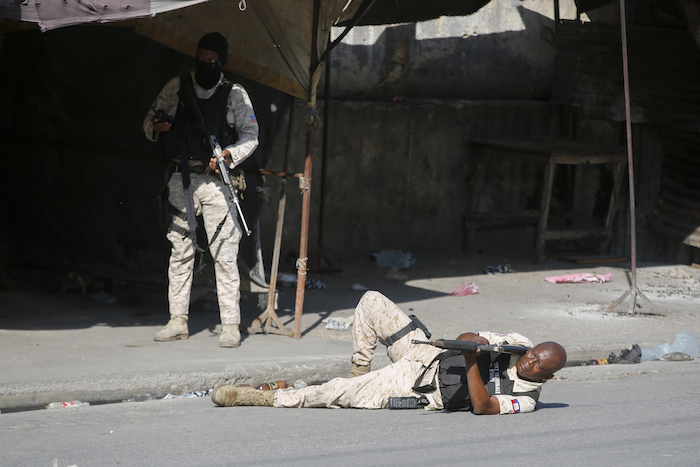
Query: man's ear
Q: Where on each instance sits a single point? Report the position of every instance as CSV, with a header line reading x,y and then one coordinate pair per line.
x,y
548,377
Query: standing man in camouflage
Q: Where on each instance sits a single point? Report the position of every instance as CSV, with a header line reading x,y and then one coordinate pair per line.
x,y
228,114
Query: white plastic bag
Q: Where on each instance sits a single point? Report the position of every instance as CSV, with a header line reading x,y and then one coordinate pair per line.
x,y
685,343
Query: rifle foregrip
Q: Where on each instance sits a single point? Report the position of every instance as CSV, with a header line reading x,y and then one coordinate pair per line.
x,y
468,346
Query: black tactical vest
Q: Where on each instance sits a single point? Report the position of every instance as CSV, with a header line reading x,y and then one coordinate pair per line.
x,y
191,140
493,368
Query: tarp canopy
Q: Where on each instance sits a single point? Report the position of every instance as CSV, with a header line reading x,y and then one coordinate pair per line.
x,y
277,43
52,15
270,41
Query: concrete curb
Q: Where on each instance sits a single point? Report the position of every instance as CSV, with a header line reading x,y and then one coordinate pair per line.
x,y
311,371
106,390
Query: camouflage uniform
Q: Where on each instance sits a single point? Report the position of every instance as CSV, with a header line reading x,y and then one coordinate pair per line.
x,y
209,195
210,203
375,317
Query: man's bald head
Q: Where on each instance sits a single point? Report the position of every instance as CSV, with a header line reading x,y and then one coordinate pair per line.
x,y
541,362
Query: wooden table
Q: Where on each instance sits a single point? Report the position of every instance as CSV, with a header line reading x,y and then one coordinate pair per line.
x,y
550,152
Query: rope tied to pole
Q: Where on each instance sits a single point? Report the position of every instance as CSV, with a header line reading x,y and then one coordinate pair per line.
x,y
302,265
304,184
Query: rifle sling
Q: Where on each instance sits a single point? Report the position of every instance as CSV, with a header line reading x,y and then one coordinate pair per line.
x,y
432,386
412,326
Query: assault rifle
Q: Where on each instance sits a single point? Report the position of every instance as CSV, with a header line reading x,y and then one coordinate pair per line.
x,y
469,346
189,100
226,178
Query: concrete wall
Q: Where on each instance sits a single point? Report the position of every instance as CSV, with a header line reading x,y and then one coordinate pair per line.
x,y
398,176
406,100
503,51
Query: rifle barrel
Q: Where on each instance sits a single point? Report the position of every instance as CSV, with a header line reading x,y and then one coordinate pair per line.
x,y
470,346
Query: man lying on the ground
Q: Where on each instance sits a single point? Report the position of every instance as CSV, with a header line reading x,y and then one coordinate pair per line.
x,y
488,383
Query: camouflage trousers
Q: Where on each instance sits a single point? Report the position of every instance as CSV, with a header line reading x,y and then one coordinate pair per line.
x,y
375,317
208,192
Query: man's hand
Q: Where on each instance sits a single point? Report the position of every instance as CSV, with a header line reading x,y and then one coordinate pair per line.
x,y
482,403
470,336
159,126
214,164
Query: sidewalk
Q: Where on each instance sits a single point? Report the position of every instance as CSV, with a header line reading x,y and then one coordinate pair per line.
x,y
72,347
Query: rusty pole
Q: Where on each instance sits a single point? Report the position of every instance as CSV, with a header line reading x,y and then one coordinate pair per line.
x,y
302,262
305,183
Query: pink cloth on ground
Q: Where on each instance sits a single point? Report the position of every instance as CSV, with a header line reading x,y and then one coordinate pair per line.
x,y
577,278
466,288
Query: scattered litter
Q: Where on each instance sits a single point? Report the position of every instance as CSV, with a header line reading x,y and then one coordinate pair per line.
x,y
104,298
631,355
578,278
359,288
395,275
286,280
679,273
684,348
495,270
393,259
60,405
466,288
339,324
677,357
684,343
191,394
315,284
597,361
273,385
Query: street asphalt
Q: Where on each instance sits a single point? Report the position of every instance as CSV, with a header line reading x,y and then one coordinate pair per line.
x,y
97,346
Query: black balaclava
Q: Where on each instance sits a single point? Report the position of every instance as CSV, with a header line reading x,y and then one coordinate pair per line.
x,y
207,74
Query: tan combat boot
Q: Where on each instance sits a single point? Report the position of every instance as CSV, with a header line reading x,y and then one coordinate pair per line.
x,y
176,329
359,370
230,336
231,396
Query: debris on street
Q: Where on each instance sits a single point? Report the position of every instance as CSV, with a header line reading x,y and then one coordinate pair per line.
x,y
495,270
191,394
339,324
466,288
388,259
578,278
685,343
315,284
684,348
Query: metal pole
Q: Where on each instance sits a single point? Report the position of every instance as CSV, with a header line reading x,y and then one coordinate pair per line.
x,y
633,291
302,261
630,159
